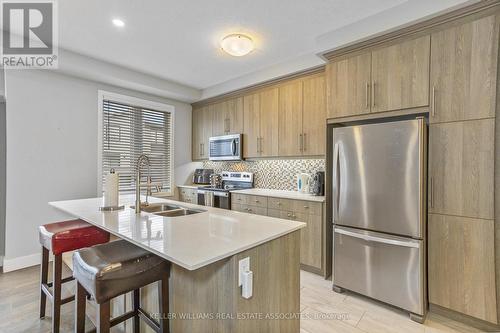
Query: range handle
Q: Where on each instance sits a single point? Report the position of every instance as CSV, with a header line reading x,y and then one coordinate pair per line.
x,y
371,238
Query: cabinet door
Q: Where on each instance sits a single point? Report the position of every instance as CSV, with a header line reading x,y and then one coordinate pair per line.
x,y
201,127
310,240
464,71
461,162
314,116
290,119
268,145
400,75
219,112
462,265
234,116
251,125
348,86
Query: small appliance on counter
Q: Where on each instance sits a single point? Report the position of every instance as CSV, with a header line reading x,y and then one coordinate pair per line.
x,y
303,181
220,197
318,184
202,176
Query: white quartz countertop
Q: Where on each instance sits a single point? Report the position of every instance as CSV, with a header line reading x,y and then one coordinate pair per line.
x,y
190,241
281,194
193,185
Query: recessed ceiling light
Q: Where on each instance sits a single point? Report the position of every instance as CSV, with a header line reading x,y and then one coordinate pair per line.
x,y
237,44
118,23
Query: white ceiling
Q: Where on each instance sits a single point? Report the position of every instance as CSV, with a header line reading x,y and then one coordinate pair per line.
x,y
178,40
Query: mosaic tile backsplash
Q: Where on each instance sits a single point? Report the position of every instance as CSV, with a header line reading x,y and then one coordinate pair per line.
x,y
272,174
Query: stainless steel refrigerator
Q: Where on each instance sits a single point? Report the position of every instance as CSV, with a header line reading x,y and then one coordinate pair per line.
x,y
379,212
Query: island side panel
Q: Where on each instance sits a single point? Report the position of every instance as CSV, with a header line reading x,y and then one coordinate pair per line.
x,y
214,290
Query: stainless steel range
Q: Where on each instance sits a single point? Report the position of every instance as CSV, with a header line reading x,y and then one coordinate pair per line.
x,y
220,197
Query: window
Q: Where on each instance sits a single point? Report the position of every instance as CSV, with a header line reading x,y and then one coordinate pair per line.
x,y
131,127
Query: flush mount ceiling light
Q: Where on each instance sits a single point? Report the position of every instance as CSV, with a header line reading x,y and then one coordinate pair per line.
x,y
119,23
237,45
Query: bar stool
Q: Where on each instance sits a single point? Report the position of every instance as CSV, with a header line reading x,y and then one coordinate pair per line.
x,y
60,237
113,269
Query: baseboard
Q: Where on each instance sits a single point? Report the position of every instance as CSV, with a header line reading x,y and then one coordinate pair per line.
x,y
471,321
14,264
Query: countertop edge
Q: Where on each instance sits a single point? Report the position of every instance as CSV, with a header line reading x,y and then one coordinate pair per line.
x,y
175,261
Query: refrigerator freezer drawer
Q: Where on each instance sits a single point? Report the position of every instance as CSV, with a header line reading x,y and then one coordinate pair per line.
x,y
385,267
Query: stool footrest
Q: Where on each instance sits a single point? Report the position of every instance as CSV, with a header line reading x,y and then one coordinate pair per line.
x,y
131,314
46,290
67,279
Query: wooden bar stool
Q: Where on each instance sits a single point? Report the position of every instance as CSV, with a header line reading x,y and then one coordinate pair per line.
x,y
58,238
113,269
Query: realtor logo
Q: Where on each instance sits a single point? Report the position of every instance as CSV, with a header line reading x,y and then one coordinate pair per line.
x,y
29,32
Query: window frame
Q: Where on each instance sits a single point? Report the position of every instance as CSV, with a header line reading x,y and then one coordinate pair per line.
x,y
156,106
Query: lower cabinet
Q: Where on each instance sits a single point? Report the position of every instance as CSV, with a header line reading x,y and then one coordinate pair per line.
x,y
311,213
189,195
462,265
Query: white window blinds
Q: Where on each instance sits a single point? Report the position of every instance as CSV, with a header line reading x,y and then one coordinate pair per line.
x,y
129,131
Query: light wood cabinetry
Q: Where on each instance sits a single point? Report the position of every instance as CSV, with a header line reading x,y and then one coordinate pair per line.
x,y
400,75
461,162
348,86
302,117
290,119
251,125
227,117
268,139
202,131
390,78
260,114
462,265
464,71
314,116
189,195
309,212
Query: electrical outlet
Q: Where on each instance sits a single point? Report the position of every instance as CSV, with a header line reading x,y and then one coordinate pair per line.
x,y
244,266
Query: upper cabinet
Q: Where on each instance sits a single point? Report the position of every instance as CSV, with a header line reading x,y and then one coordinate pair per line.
x,y
202,131
400,75
290,119
314,116
227,117
348,86
260,119
464,71
390,78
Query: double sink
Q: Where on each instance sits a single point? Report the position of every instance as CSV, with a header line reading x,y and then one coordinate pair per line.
x,y
168,210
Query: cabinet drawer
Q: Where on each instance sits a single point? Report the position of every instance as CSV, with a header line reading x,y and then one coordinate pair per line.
x,y
239,198
274,213
307,207
279,203
249,209
188,195
257,201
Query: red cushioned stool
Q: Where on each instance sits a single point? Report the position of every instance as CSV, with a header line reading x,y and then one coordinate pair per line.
x,y
58,238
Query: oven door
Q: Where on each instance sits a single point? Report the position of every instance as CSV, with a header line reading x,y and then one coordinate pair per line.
x,y
225,148
214,199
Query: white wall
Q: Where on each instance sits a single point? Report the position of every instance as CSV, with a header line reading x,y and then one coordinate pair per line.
x,y
52,151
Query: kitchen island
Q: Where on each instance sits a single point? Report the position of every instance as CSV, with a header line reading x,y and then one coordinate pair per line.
x,y
205,249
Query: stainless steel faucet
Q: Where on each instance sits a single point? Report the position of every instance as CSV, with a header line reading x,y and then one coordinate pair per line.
x,y
141,161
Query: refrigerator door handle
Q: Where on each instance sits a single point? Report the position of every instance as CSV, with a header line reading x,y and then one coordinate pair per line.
x,y
336,182
370,238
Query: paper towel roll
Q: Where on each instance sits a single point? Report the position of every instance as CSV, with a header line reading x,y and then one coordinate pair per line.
x,y
111,189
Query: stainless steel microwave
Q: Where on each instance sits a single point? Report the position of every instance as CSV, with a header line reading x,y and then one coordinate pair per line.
x,y
225,148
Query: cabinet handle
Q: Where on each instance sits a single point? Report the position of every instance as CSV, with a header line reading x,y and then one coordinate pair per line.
x,y
304,142
201,150
301,142
258,150
373,94
432,192
289,215
433,101
306,207
261,139
257,201
367,95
